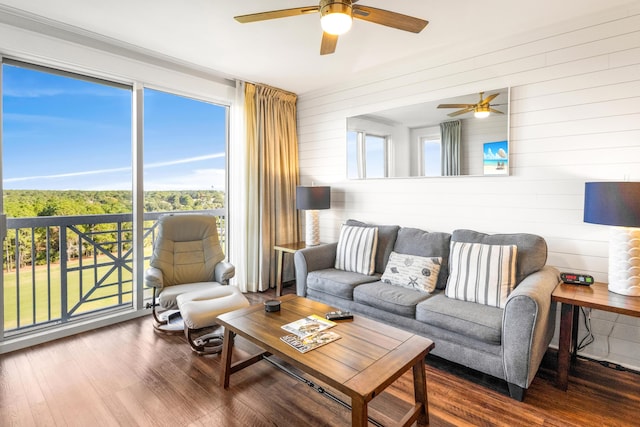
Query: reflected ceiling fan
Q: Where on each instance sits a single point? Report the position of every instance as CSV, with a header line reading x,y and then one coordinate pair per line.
x,y
480,109
336,17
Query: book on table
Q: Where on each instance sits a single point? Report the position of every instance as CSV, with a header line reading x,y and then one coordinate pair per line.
x,y
308,326
308,343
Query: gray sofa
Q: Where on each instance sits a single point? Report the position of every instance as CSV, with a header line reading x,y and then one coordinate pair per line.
x,y
507,343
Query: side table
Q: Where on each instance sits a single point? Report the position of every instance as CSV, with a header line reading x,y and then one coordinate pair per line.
x,y
574,296
290,248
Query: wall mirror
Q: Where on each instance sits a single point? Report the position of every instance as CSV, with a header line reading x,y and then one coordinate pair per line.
x,y
467,135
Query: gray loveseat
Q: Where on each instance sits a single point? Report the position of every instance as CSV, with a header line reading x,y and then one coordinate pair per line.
x,y
507,343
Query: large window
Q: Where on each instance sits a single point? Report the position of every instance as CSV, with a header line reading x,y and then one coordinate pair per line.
x,y
184,153
67,176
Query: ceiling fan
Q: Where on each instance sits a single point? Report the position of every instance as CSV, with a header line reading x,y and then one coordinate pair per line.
x,y
336,17
481,109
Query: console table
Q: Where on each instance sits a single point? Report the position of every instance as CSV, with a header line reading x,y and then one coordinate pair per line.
x,y
574,296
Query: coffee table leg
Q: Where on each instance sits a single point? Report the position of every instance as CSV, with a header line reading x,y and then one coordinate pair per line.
x,y
420,391
227,351
359,415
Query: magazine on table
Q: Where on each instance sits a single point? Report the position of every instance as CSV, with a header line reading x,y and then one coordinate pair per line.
x,y
310,342
308,325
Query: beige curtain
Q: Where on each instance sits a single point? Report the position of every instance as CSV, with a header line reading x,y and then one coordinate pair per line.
x,y
272,177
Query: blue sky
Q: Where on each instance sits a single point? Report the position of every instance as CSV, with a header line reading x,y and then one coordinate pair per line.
x,y
61,133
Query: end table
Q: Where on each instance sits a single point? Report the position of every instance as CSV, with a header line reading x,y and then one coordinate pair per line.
x,y
574,296
290,248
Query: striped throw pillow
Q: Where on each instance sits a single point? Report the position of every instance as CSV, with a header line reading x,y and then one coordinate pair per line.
x,y
357,249
485,274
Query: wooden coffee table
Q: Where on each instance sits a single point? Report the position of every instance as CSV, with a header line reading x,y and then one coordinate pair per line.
x,y
367,358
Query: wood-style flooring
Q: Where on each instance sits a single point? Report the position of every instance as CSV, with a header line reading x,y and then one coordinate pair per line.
x,y
128,375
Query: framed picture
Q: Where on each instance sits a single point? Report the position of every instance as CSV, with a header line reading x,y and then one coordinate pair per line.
x,y
496,158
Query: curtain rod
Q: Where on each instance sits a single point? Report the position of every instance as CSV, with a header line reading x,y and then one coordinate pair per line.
x,y
271,87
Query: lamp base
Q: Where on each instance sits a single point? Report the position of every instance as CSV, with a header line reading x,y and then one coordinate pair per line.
x,y
312,224
624,261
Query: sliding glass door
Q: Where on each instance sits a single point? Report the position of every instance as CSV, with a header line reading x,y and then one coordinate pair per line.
x,y
68,186
67,194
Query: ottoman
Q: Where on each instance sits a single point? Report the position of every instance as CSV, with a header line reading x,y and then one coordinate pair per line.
x,y
199,310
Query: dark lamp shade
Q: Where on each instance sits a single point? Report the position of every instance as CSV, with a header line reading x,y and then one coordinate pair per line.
x,y
612,203
313,198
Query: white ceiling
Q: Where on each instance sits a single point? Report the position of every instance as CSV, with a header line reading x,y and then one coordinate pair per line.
x,y
285,52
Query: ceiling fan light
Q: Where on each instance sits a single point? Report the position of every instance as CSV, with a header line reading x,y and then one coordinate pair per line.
x,y
481,112
336,18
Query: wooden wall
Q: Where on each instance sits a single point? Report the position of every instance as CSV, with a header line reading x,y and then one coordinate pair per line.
x,y
575,117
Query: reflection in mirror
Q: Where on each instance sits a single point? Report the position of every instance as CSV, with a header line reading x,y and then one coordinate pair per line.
x,y
438,138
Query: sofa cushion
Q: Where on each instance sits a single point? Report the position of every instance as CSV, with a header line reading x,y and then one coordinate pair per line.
x,y
477,321
393,299
387,235
338,283
532,249
356,249
414,241
411,271
481,273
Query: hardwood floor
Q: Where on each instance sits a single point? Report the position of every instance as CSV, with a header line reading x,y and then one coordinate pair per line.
x,y
128,375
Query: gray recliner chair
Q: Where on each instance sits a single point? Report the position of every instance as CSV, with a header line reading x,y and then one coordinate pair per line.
x,y
190,279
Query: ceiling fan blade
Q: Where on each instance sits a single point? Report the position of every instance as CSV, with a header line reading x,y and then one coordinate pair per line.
x,y
495,111
274,14
457,113
488,99
456,105
390,19
328,45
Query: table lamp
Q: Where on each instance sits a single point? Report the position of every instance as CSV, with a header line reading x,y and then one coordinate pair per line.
x,y
311,199
618,204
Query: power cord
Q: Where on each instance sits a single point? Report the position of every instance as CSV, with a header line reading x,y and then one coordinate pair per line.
x,y
589,338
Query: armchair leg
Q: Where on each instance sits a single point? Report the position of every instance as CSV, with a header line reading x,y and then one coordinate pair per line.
x,y
210,343
164,323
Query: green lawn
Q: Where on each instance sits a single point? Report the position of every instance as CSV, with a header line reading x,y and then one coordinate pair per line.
x,y
36,297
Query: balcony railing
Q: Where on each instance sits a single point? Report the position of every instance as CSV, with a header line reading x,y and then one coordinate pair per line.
x,y
63,268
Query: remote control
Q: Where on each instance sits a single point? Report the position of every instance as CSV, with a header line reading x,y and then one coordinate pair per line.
x,y
339,315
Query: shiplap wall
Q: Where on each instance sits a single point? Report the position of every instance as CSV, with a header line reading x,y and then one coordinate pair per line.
x,y
575,117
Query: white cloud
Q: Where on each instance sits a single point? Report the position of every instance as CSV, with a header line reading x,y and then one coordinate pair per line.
x,y
195,179
40,92
187,160
66,175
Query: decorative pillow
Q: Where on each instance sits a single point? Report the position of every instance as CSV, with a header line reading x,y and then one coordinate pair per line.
x,y
413,272
387,235
357,249
532,249
481,273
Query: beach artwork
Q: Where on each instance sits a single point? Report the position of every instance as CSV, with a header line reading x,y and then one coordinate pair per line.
x,y
496,158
